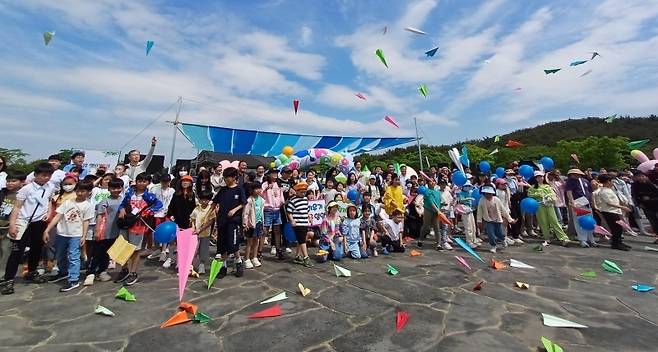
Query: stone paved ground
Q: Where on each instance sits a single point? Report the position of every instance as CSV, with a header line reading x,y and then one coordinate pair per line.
x,y
358,313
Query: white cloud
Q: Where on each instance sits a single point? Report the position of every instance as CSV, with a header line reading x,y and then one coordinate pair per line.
x,y
306,35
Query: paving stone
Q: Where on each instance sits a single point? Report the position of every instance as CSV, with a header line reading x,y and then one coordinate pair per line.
x,y
190,337
489,340
18,332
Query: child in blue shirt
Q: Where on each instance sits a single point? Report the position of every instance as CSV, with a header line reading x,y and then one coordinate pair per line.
x,y
354,238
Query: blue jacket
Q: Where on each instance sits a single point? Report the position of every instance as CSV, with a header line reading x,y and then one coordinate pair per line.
x,y
148,197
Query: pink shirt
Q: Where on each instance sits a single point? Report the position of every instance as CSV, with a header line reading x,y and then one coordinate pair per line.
x,y
272,196
558,187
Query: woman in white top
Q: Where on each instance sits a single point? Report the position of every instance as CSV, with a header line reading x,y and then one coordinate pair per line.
x,y
610,208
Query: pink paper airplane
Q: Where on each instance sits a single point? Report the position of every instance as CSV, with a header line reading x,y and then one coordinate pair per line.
x,y
391,121
463,262
360,96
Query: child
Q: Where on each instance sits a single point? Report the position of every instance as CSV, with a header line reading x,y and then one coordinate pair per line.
x,y
448,211
297,212
252,222
368,226
340,191
105,232
355,241
393,227
119,172
272,201
490,215
328,193
229,201
72,221
26,225
139,202
468,220
506,199
201,215
373,189
313,234
98,193
393,196
180,208
164,193
7,201
331,237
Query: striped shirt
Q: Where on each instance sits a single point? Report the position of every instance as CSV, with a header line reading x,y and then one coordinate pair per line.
x,y
297,207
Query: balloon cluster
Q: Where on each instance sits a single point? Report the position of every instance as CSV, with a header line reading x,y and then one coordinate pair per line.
x,y
309,157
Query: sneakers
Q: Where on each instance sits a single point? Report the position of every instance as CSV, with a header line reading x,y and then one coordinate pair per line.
x,y
478,240
70,286
438,248
256,262
384,251
239,269
288,250
532,233
509,241
163,255
447,246
36,278
492,249
298,260
273,250
280,255
123,275
112,265
518,241
419,244
8,288
57,278
154,254
202,269
167,263
472,245
222,272
104,277
584,244
89,280
307,262
218,256
131,279
248,264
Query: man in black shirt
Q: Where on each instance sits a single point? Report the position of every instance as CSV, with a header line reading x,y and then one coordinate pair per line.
x,y
645,196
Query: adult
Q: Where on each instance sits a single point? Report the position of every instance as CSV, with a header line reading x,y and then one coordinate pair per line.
x,y
544,194
77,160
612,210
357,169
260,174
645,196
403,177
3,173
431,208
135,167
579,195
216,179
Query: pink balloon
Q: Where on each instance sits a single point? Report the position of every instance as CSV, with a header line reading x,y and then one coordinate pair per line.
x,y
293,165
345,162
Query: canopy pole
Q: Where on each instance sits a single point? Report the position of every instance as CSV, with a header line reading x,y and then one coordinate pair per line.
x,y
420,155
175,124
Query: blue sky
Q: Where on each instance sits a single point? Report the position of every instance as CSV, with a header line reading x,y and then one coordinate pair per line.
x,y
241,63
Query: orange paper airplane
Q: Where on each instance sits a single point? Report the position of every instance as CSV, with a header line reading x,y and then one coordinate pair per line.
x,y
415,253
189,307
514,144
178,318
497,265
444,219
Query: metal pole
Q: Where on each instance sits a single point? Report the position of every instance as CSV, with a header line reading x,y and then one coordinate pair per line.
x,y
173,144
420,155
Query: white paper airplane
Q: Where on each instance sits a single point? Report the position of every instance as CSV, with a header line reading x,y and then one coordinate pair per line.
x,y
519,264
553,321
279,297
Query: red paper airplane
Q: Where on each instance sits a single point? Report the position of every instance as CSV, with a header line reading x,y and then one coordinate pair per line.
x,y
581,212
401,320
274,311
295,104
478,287
514,144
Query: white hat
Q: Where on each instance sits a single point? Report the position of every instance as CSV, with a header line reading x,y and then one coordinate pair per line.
x,y
487,190
539,173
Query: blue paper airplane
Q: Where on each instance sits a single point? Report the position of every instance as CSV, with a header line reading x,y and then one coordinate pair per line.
x,y
431,53
576,63
149,45
467,248
643,288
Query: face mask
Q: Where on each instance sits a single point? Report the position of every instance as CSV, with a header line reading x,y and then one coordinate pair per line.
x,y
68,188
182,173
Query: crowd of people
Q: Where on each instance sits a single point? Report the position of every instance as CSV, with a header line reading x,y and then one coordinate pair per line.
x,y
61,221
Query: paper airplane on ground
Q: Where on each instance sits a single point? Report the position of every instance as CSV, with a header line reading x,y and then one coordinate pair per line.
x,y
553,321
643,288
103,311
303,290
497,265
522,285
519,264
463,262
647,248
188,307
468,249
178,318
550,346
267,313
401,320
214,270
201,318
415,253
478,287
589,274
340,271
278,297
611,267
125,295
391,270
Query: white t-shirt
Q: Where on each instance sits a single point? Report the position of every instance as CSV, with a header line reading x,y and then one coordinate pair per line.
x,y
165,196
32,195
392,229
97,195
55,180
73,215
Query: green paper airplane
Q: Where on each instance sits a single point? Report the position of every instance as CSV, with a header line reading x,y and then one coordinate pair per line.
x,y
550,346
423,90
125,295
638,144
201,318
214,270
589,274
554,70
610,118
611,267
48,36
380,54
391,270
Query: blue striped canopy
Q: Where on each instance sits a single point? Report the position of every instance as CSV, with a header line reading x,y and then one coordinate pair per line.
x,y
236,141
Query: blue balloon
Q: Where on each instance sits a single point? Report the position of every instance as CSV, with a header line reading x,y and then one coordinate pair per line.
x,y
353,195
587,222
527,171
500,172
484,166
529,206
422,190
165,232
459,178
547,163
476,196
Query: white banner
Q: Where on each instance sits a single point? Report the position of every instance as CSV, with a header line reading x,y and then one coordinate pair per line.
x,y
317,212
96,158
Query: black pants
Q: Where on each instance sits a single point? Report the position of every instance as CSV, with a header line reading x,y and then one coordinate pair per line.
x,y
615,229
652,216
33,238
100,260
397,246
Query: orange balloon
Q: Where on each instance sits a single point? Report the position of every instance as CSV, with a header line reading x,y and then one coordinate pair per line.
x,y
287,150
